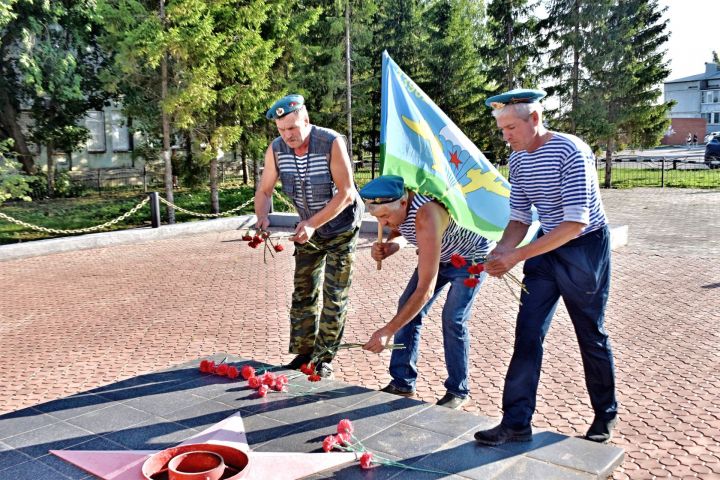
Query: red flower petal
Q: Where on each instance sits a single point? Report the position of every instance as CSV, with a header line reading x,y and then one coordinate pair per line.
x,y
247,372
329,443
281,379
222,369
343,438
476,269
268,378
279,248
314,378
471,282
204,366
254,382
458,261
263,390
345,426
366,460
233,372
247,238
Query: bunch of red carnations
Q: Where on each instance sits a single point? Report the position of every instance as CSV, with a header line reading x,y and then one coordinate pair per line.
x,y
458,261
475,269
265,382
263,236
222,369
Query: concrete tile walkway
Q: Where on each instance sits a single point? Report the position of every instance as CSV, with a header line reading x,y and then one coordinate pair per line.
x,y
77,320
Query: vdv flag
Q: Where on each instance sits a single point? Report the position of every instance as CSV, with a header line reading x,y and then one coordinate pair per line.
x,y
421,144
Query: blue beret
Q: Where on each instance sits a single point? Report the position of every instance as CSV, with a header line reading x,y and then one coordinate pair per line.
x,y
383,189
285,105
519,95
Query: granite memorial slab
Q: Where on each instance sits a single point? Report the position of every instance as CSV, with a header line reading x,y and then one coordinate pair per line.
x,y
149,413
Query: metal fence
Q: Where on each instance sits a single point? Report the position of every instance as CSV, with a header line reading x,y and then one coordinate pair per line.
x,y
627,172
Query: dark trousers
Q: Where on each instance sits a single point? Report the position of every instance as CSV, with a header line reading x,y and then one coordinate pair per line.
x,y
579,272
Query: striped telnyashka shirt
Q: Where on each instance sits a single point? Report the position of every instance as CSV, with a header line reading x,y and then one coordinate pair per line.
x,y
456,239
312,183
560,180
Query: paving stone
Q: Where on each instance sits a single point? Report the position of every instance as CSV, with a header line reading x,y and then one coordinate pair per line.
x,y
153,434
111,419
10,457
22,421
32,470
56,436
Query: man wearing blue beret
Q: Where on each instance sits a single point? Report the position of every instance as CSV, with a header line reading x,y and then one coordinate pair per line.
x,y
313,166
570,259
447,254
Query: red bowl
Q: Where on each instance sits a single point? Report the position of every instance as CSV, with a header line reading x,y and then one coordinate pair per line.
x,y
236,461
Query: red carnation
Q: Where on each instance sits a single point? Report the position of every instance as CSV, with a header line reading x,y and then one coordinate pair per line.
x,y
329,443
343,438
247,372
307,368
222,369
281,379
263,390
254,382
253,244
257,239
458,261
471,282
366,460
314,378
345,426
267,378
476,268
205,366
247,238
279,248
233,372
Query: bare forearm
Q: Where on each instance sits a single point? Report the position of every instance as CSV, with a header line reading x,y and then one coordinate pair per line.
x,y
262,204
334,207
514,234
409,310
557,237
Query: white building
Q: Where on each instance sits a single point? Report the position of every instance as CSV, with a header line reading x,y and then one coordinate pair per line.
x,y
697,97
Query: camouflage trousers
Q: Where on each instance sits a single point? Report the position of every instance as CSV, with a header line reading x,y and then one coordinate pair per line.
x,y
337,254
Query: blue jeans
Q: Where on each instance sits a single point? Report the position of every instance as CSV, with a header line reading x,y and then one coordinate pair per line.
x,y
456,338
579,272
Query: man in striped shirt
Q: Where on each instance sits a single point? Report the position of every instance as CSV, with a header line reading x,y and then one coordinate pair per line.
x,y
555,173
446,253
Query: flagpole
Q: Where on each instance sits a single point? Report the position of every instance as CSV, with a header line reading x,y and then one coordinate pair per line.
x,y
380,239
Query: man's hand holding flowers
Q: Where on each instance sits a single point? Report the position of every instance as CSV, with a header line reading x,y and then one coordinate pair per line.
x,y
501,260
379,340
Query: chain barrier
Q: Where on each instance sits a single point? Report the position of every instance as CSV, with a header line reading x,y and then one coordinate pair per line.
x,y
77,230
206,215
130,212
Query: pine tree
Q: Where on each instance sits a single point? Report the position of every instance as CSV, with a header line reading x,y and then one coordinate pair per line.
x,y
458,84
511,55
511,50
626,67
567,30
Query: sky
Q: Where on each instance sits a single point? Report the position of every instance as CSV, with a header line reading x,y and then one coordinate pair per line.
x,y
693,35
